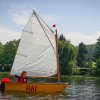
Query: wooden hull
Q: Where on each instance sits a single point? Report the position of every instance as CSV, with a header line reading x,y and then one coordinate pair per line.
x,y
35,87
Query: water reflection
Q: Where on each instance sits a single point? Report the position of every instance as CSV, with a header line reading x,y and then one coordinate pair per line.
x,y
78,89
36,96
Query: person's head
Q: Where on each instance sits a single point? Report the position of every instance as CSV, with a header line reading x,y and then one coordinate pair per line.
x,y
24,74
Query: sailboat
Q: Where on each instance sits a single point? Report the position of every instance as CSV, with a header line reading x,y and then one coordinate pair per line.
x,y
38,55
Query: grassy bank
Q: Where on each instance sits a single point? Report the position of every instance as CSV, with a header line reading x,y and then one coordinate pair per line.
x,y
79,77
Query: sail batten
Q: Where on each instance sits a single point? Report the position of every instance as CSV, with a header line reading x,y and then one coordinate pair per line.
x,y
36,52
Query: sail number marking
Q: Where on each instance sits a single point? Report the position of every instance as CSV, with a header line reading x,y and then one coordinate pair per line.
x,y
31,88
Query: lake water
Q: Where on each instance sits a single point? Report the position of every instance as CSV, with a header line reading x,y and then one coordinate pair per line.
x,y
78,89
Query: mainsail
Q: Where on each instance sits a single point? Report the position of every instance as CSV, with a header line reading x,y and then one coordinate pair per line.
x,y
36,53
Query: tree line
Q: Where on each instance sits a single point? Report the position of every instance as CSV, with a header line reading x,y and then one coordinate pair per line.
x,y
79,60
74,60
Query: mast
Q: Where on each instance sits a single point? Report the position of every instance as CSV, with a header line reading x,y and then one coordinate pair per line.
x,y
57,56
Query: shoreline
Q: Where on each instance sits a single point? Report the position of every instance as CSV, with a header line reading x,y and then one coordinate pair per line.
x,y
6,74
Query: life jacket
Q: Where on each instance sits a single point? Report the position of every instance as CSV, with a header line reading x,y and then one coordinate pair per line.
x,y
22,80
5,80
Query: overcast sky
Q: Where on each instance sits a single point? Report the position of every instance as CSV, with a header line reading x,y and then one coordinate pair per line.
x,y
78,20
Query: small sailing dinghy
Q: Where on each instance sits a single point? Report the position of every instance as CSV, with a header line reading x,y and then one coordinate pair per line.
x,y
38,55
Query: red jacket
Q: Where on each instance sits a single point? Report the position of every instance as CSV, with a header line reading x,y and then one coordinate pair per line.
x,y
22,80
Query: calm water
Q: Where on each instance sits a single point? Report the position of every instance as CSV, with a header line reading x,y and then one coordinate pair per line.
x,y
78,89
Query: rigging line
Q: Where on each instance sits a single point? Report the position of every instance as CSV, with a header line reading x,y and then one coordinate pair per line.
x,y
47,25
44,30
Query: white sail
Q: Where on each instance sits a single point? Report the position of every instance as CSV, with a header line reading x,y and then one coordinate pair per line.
x,y
36,53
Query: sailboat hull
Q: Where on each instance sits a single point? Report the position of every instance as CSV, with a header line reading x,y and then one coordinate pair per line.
x,y
35,87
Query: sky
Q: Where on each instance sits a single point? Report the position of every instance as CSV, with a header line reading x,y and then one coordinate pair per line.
x,y
78,20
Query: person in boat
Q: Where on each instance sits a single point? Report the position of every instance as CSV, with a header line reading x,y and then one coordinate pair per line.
x,y
22,78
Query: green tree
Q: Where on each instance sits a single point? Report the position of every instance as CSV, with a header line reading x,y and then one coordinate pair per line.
x,y
9,52
1,57
82,55
91,51
98,67
62,37
97,49
97,57
67,56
